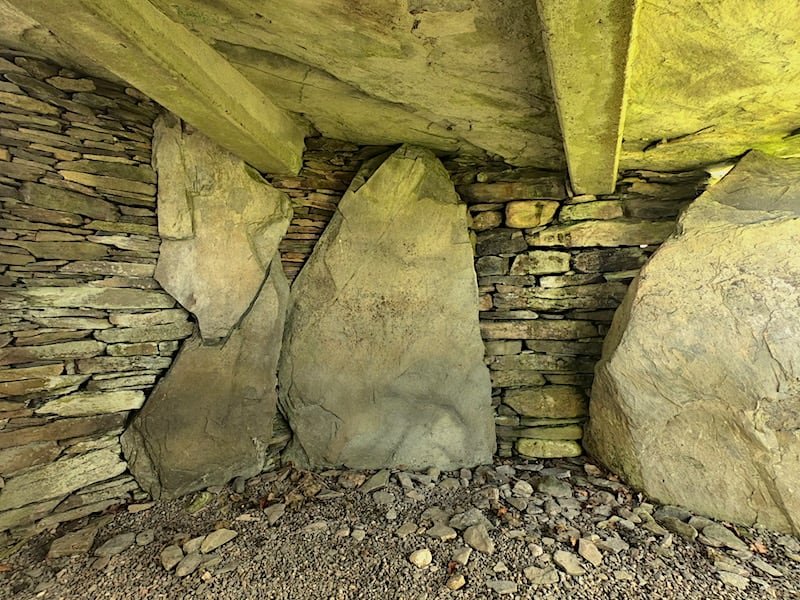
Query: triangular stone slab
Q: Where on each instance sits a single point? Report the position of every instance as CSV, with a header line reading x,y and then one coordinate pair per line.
x,y
383,359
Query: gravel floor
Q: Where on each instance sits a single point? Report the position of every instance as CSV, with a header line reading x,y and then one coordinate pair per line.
x,y
548,521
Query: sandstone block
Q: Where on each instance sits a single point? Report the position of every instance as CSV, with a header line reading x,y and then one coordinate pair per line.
x,y
549,401
604,233
541,262
526,214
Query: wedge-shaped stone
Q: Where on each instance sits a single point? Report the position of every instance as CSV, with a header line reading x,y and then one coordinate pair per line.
x,y
147,319
62,429
40,384
45,196
92,403
84,296
227,200
71,350
26,515
63,250
383,361
60,478
696,399
549,401
210,419
101,267
604,233
151,333
110,364
21,457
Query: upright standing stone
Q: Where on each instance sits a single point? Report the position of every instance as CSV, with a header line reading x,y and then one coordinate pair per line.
x,y
383,359
210,419
221,226
697,397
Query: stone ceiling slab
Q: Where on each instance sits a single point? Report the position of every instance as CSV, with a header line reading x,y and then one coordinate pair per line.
x,y
463,66
711,80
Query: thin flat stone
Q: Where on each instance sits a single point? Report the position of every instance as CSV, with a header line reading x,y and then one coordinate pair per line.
x,y
569,563
76,542
724,537
189,564
218,538
116,545
588,550
377,481
442,532
541,576
170,557
502,587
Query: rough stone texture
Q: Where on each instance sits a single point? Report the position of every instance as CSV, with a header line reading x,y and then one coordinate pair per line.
x,y
237,221
210,419
699,377
78,242
393,271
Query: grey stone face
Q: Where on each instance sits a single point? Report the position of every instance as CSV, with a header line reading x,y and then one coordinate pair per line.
x,y
220,223
383,361
696,397
210,419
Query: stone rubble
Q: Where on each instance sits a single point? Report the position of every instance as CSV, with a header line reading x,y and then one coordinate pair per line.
x,y
320,545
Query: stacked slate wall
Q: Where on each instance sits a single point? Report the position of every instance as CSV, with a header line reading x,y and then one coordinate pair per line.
x,y
552,268
85,331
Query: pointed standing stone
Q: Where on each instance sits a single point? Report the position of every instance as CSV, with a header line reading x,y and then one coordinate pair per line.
x,y
383,359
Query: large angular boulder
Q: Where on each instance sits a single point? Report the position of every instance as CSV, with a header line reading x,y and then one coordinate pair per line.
x,y
696,400
220,224
383,360
210,418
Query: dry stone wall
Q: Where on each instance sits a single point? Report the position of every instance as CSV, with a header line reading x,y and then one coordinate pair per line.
x,y
552,268
85,330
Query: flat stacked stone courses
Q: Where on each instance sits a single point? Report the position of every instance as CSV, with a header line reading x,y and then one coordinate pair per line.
x,y
552,268
85,330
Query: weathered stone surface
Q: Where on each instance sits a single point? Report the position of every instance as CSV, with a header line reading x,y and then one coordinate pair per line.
x,y
548,448
20,457
696,397
84,296
54,198
110,364
602,261
60,478
603,209
551,401
237,221
593,296
604,233
92,403
26,354
500,241
62,429
149,333
383,361
22,387
541,262
538,330
210,419
523,214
